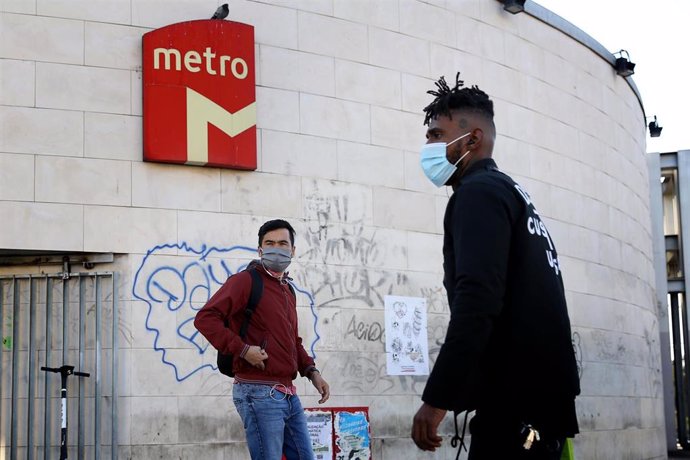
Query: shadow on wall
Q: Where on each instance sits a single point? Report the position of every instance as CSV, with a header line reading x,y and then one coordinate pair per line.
x,y
175,281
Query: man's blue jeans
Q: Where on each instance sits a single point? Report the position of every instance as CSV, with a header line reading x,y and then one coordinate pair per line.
x,y
273,421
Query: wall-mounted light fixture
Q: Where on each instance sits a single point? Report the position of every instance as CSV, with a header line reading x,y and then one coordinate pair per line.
x,y
624,67
654,128
514,6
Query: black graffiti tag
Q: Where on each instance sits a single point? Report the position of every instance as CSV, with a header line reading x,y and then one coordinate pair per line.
x,y
372,332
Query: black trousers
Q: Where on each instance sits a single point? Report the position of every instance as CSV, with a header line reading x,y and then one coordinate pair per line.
x,y
493,438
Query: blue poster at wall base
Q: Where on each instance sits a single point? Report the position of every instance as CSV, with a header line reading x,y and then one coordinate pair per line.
x,y
339,433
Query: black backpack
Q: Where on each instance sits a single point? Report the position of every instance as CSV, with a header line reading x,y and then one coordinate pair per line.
x,y
224,361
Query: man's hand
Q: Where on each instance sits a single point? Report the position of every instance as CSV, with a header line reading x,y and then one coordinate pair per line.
x,y
256,357
424,426
321,386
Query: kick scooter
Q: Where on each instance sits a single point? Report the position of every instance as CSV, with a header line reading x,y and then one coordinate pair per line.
x,y
64,372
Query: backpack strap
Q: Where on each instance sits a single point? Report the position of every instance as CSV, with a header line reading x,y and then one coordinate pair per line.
x,y
292,289
254,297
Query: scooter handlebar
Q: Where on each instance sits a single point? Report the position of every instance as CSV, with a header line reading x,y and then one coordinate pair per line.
x,y
68,370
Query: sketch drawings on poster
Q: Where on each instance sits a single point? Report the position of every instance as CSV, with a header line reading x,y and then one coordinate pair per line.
x,y
407,349
320,427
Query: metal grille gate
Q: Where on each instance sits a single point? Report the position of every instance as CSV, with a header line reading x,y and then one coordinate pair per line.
x,y
55,320
680,350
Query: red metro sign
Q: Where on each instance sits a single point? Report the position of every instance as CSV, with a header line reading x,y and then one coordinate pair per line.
x,y
199,94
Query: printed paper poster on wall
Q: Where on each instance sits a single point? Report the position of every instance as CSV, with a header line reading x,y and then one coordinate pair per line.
x,y
320,427
352,440
199,94
339,433
407,349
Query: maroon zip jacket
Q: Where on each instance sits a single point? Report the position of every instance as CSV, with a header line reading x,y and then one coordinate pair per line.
x,y
273,326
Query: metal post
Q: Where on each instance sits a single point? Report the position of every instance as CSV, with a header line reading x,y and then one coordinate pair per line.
x,y
32,367
2,329
678,371
97,396
65,319
686,373
49,341
65,329
80,416
114,379
15,378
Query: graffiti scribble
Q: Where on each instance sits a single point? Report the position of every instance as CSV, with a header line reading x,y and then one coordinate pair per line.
x,y
176,287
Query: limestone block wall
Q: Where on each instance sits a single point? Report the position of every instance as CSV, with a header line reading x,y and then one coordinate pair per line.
x,y
340,88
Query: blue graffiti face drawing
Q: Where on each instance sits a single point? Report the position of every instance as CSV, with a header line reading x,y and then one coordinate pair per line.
x,y
175,287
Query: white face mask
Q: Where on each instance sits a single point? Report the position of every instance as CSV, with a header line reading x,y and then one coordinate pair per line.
x,y
435,164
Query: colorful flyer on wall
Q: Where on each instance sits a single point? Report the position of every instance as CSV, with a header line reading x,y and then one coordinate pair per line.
x,y
320,426
352,438
407,349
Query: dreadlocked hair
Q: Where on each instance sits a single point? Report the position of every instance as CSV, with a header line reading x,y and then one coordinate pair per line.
x,y
447,99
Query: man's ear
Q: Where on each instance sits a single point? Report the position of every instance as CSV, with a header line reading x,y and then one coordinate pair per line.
x,y
259,251
475,137
293,251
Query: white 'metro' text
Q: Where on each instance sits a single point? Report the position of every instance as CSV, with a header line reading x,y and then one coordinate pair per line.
x,y
192,60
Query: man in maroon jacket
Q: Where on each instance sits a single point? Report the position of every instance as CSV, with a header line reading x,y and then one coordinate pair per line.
x,y
268,358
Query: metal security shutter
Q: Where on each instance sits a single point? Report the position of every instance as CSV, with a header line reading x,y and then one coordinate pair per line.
x,y
56,320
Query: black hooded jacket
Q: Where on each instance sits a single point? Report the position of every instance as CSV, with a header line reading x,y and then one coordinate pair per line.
x,y
508,348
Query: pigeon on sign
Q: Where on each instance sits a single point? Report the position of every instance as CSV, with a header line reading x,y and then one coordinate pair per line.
x,y
221,12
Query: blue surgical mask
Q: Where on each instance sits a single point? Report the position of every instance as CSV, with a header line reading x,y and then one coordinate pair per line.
x,y
435,164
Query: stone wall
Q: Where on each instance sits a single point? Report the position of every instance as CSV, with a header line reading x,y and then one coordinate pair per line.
x,y
340,88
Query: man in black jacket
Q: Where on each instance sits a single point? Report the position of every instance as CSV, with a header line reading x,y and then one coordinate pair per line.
x,y
508,351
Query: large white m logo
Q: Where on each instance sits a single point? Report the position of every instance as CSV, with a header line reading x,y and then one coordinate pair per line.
x,y
200,112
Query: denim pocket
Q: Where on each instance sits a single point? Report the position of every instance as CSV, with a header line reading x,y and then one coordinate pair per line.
x,y
257,392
